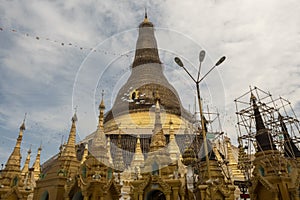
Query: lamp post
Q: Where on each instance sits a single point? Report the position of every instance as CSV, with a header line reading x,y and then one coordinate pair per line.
x,y
197,82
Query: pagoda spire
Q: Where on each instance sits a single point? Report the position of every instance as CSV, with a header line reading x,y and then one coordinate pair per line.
x,y
99,145
263,137
14,160
138,157
290,149
25,168
101,114
136,95
69,149
100,139
146,46
119,162
138,148
158,124
146,16
85,153
173,146
110,160
158,155
158,139
13,164
37,164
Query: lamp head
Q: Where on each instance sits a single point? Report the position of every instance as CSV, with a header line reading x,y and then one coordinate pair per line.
x,y
220,61
178,61
201,56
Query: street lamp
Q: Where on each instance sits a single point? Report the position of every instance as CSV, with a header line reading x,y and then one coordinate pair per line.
x,y
197,82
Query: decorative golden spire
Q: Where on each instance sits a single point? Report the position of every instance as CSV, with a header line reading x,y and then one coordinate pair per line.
x,y
101,114
158,155
138,148
102,106
14,160
173,146
119,162
70,146
13,164
157,125
138,157
37,164
26,164
85,153
110,160
158,139
99,148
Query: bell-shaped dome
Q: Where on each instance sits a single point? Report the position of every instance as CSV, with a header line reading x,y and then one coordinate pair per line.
x,y
146,83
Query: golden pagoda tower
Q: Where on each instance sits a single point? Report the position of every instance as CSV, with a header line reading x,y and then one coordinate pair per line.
x,y
138,157
37,165
99,144
11,177
25,169
13,164
133,113
158,155
26,173
110,160
119,162
145,82
173,147
31,175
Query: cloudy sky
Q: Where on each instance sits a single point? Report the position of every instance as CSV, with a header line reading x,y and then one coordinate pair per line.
x,y
46,79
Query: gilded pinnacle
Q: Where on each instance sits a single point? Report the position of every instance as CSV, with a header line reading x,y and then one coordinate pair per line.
x,y
102,106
